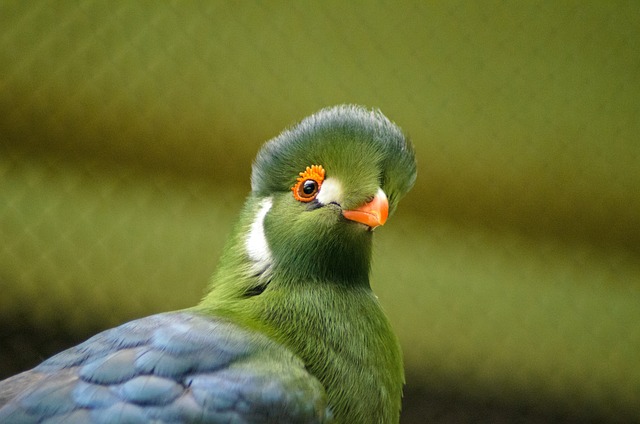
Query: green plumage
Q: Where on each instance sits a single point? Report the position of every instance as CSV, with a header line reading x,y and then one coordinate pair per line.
x,y
312,294
290,331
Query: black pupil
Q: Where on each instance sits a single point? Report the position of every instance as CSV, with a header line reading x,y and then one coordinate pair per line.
x,y
309,187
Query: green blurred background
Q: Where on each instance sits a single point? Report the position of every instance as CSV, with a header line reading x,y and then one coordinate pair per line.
x,y
511,272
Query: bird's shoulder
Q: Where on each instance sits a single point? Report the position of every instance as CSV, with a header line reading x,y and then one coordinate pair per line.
x,y
171,367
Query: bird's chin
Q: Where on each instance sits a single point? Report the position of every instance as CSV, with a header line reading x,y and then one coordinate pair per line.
x,y
365,227
360,227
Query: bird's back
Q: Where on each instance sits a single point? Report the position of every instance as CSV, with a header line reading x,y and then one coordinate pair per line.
x,y
171,367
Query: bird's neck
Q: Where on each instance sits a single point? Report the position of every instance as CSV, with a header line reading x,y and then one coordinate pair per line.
x,y
325,313
346,341
341,334
250,258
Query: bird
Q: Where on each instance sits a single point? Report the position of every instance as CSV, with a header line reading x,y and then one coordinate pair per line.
x,y
289,329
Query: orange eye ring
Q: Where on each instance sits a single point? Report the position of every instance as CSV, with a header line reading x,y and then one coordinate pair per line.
x,y
308,183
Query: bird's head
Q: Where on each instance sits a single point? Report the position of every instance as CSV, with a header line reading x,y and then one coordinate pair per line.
x,y
320,187
297,263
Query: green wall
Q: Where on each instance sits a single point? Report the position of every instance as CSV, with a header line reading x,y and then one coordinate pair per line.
x,y
511,272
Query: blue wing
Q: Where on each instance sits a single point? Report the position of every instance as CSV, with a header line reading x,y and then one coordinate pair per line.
x,y
170,368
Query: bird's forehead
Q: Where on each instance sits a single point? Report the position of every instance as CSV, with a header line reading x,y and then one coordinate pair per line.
x,y
353,169
351,157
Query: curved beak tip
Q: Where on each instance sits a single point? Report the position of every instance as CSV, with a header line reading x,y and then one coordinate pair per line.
x,y
372,214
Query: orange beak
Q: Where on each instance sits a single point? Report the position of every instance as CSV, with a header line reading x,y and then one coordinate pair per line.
x,y
372,214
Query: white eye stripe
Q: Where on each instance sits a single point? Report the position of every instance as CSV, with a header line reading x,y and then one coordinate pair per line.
x,y
331,191
256,242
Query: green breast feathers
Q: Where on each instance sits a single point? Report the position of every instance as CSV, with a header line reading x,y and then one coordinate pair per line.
x,y
289,330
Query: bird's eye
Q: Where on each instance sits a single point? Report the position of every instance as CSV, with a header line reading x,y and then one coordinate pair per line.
x,y
308,183
309,188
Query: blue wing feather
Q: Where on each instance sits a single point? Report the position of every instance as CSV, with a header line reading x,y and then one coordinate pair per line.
x,y
172,367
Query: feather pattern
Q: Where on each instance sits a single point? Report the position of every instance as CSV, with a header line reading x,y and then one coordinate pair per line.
x,y
172,367
289,330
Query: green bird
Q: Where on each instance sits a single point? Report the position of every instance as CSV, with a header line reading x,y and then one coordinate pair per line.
x,y
289,330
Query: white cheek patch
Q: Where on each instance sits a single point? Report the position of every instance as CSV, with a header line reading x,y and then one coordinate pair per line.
x,y
256,242
331,191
